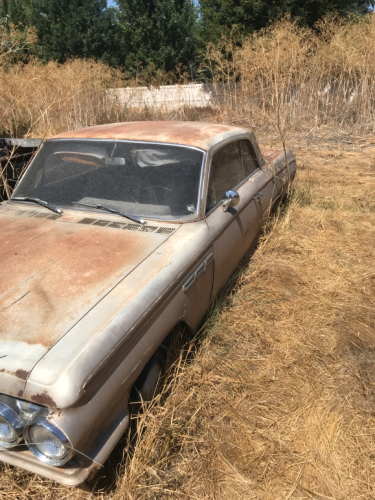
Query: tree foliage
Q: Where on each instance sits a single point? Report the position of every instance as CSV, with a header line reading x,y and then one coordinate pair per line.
x,y
68,28
160,32
219,17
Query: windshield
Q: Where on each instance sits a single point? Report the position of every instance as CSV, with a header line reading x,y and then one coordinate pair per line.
x,y
145,179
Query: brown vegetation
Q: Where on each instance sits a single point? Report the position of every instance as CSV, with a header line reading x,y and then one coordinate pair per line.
x,y
295,78
313,81
282,80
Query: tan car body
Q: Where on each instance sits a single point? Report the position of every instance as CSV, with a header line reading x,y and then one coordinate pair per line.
x,y
83,306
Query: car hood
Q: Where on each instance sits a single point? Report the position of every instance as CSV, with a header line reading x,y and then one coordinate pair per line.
x,y
53,272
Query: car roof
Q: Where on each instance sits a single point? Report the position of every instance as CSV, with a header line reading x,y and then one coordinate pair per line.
x,y
198,134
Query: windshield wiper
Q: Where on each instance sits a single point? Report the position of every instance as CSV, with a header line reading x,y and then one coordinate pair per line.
x,y
39,202
113,210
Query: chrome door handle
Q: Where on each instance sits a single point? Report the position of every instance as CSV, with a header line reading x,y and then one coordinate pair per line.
x,y
258,196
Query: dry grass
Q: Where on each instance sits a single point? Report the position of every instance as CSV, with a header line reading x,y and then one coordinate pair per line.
x,y
278,402
286,77
42,100
296,78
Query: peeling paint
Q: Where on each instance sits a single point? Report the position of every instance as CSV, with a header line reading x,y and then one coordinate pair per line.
x,y
43,399
198,134
23,374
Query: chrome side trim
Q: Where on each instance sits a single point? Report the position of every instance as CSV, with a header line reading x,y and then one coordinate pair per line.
x,y
201,268
201,179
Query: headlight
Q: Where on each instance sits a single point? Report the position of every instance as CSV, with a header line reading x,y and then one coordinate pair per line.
x,y
10,427
48,443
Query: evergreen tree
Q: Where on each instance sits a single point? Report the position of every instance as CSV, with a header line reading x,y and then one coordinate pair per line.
x,y
157,31
69,28
220,16
14,10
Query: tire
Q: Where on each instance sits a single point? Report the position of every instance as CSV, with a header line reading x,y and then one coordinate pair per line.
x,y
148,382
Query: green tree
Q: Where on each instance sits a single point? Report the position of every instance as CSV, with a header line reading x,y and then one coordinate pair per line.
x,y
14,10
244,16
69,28
160,32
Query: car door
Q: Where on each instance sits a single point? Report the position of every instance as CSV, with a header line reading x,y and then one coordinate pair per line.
x,y
234,230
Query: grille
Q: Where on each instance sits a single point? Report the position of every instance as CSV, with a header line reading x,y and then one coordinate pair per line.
x,y
117,225
38,215
130,227
97,222
165,230
87,221
32,214
149,229
42,216
101,223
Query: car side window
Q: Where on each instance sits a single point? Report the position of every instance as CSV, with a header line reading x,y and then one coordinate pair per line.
x,y
249,159
226,173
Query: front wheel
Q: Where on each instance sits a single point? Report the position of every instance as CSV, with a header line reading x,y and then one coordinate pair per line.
x,y
147,384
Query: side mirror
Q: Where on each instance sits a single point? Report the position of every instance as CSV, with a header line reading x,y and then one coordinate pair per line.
x,y
231,199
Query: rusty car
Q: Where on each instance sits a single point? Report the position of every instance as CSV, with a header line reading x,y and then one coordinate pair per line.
x,y
114,237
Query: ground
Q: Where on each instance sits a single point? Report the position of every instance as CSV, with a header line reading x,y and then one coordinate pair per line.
x,y
278,401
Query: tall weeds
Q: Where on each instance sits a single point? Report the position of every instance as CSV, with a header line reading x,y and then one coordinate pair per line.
x,y
297,78
38,99
285,77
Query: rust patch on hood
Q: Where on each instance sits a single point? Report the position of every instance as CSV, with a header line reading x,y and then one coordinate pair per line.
x,y
44,399
198,134
23,374
53,273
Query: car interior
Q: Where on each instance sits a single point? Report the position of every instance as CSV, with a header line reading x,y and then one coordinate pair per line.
x,y
142,182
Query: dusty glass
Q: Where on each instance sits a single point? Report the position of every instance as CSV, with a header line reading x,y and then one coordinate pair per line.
x,y
144,179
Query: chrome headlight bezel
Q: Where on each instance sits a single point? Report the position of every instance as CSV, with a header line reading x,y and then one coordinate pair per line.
x,y
15,421
43,422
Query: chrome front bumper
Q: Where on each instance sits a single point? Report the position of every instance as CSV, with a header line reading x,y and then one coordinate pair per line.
x,y
79,468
